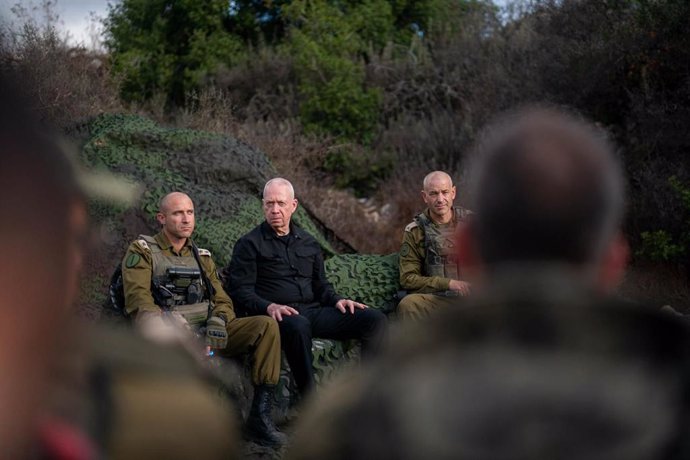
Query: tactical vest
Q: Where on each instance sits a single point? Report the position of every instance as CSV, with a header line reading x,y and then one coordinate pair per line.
x,y
177,283
439,243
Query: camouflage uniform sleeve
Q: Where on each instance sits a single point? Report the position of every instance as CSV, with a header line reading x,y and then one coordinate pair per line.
x,y
221,300
136,277
411,263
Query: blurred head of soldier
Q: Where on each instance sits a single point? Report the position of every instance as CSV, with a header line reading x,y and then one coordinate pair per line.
x,y
44,220
538,364
546,189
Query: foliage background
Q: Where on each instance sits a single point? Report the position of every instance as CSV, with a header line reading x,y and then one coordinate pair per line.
x,y
356,100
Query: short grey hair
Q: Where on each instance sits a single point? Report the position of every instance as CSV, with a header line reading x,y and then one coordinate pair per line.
x,y
431,175
280,181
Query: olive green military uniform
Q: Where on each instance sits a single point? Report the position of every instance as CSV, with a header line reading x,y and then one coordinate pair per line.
x,y
257,334
137,399
537,367
428,291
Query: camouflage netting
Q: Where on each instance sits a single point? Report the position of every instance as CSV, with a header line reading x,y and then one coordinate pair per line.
x,y
225,179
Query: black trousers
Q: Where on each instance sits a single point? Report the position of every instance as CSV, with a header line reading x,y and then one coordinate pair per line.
x,y
296,331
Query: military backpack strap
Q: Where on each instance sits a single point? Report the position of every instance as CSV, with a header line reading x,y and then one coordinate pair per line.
x,y
116,291
424,222
210,291
204,278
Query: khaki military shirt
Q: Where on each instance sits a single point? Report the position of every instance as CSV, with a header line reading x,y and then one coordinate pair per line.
x,y
137,270
411,261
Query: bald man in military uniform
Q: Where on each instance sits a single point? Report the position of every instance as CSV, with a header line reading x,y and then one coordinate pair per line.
x,y
428,265
165,291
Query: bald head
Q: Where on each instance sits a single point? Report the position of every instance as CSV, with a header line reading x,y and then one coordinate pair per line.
x,y
436,176
547,187
165,202
176,216
438,195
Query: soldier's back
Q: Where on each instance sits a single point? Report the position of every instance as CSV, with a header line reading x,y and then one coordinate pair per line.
x,y
538,367
138,399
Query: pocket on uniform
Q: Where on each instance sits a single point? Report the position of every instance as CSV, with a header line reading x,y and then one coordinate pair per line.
x,y
305,258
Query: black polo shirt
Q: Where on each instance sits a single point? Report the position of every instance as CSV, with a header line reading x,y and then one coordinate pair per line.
x,y
267,268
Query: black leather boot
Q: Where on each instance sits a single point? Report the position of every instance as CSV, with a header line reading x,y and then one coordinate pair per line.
x,y
260,427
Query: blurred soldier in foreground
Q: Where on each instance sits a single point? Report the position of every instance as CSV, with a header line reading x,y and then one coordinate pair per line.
x,y
429,267
45,217
76,391
541,363
277,271
170,283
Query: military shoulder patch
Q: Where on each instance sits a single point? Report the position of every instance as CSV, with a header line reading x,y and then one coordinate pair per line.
x,y
132,260
405,250
204,252
410,226
144,245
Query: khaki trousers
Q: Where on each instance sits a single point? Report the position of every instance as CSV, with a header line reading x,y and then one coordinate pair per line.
x,y
417,307
258,335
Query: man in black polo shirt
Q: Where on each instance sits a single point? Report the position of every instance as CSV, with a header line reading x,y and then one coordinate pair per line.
x,y
277,270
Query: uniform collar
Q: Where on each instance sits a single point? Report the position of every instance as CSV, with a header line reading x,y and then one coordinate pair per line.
x,y
165,243
268,232
453,220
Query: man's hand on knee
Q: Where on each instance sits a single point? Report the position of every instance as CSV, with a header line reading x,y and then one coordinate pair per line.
x,y
277,311
345,305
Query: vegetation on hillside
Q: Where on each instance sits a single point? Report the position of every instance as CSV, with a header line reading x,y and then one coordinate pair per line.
x,y
360,98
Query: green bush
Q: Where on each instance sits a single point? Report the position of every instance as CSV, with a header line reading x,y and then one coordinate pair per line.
x,y
327,43
360,169
659,246
166,47
670,245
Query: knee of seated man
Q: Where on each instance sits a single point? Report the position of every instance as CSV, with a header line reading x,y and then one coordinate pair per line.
x,y
375,316
266,323
409,303
295,324
370,320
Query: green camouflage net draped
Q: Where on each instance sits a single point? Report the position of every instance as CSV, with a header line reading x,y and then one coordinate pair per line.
x,y
224,176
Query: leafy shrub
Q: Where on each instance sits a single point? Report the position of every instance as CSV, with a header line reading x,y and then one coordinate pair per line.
x,y
673,244
327,43
169,47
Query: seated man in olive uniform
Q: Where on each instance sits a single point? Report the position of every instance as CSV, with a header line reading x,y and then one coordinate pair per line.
x,y
428,265
165,290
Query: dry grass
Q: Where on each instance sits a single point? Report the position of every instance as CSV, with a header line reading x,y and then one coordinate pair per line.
x,y
68,84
